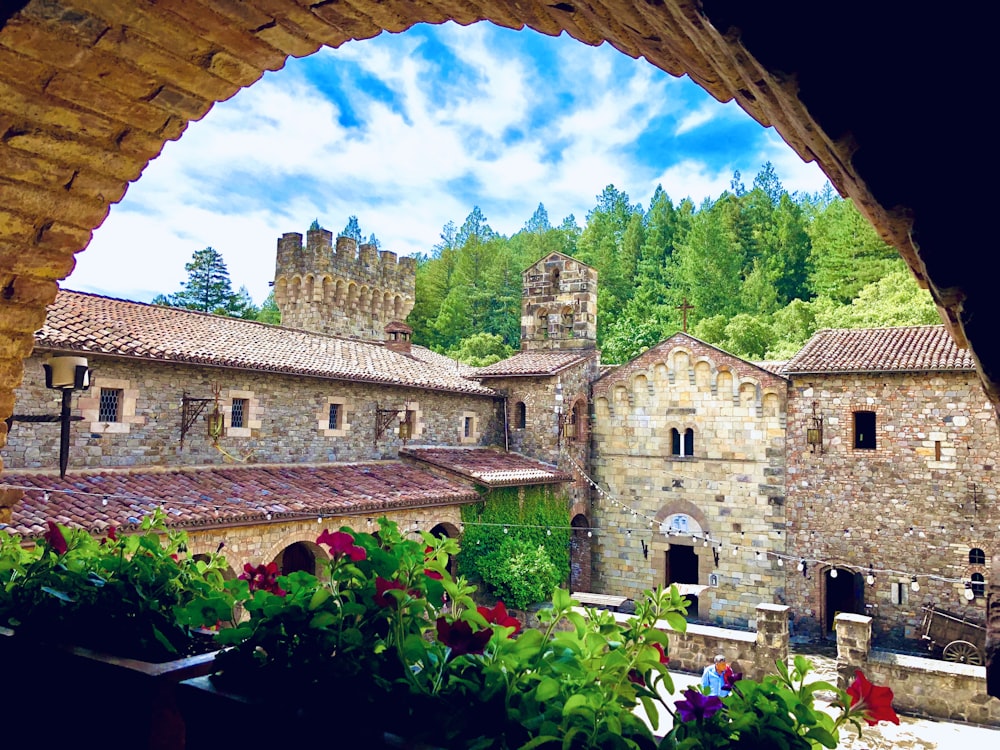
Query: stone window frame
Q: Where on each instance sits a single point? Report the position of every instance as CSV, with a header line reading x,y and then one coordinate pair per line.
x,y
865,444
323,417
899,592
90,406
418,421
684,442
520,415
251,419
473,436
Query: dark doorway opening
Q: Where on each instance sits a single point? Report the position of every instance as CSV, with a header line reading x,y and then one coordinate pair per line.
x,y
579,554
682,567
844,593
297,557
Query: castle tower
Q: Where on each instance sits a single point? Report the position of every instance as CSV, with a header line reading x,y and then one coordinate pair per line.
x,y
559,304
341,289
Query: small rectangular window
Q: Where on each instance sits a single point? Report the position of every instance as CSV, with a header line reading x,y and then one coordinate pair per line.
x,y
239,413
111,405
468,427
900,592
334,423
864,430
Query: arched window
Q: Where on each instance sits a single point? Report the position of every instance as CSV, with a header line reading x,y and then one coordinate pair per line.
x,y
681,445
520,415
977,556
978,585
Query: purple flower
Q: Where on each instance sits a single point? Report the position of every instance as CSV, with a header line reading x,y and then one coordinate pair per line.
x,y
698,706
460,637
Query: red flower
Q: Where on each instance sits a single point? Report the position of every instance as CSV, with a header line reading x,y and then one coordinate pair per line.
x,y
460,638
341,543
873,701
263,578
638,679
55,538
664,659
498,616
381,587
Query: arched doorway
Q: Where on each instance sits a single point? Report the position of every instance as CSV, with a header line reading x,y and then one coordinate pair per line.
x,y
447,531
845,592
579,554
682,567
295,557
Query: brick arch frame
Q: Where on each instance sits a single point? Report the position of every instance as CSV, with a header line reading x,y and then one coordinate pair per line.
x,y
659,543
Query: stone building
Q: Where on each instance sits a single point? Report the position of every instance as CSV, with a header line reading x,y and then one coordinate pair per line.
x,y
546,386
689,469
260,436
891,452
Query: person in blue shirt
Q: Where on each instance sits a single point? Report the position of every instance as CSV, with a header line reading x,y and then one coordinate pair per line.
x,y
718,677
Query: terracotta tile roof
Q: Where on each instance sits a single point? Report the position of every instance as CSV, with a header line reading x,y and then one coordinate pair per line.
x,y
529,363
489,467
775,366
903,349
89,323
442,361
206,496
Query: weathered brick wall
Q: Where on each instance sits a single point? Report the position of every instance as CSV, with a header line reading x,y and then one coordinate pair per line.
x,y
347,290
287,421
916,504
732,488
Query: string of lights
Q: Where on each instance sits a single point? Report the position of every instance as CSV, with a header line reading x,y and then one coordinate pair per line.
x,y
802,563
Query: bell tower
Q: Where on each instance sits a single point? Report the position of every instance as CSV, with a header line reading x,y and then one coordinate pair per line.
x,y
559,305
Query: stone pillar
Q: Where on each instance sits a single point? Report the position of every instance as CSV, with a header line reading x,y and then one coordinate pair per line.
x,y
854,641
8,499
772,639
993,628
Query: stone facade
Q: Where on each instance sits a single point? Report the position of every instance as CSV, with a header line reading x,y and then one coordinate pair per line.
x,y
689,442
559,304
346,290
286,420
922,500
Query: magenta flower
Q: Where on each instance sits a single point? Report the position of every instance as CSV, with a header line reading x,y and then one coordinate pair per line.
x,y
460,638
697,706
263,578
341,543
381,587
55,538
498,616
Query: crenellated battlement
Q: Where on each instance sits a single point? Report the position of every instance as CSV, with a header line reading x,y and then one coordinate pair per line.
x,y
341,287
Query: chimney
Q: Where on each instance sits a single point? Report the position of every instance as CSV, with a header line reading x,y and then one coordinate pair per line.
x,y
397,337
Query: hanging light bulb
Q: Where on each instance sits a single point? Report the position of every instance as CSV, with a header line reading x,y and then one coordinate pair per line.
x,y
705,543
757,554
833,573
781,563
914,585
801,566
969,593
504,529
736,550
590,534
870,578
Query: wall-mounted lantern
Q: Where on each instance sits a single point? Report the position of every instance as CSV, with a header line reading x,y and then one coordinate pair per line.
x,y
814,432
65,374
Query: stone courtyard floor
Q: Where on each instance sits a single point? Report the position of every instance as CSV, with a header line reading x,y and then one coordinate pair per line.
x,y
911,734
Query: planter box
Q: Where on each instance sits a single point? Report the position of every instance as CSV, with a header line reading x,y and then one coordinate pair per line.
x,y
76,694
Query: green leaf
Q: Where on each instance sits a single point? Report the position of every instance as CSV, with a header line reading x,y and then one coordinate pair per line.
x,y
825,738
547,689
676,621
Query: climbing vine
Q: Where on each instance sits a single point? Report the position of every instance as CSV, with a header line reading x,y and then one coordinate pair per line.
x,y
516,542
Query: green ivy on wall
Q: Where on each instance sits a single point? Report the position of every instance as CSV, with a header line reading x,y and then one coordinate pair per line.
x,y
516,541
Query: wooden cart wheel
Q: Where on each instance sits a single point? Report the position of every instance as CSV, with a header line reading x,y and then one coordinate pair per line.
x,y
963,652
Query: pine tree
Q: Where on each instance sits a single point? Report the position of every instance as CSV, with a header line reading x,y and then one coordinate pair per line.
x,y
208,288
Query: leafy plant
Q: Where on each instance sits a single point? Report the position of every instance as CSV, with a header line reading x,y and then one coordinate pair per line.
x,y
385,631
133,595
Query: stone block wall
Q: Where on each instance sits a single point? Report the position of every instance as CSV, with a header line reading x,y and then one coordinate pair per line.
x,y
922,502
559,304
349,290
731,490
921,687
287,419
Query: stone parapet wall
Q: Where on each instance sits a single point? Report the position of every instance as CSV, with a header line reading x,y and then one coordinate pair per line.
x,y
919,503
348,290
921,687
287,420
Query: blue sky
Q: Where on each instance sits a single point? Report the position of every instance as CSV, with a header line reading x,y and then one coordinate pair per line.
x,y
410,131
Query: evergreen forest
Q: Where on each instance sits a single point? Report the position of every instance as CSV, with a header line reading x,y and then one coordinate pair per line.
x,y
757,269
